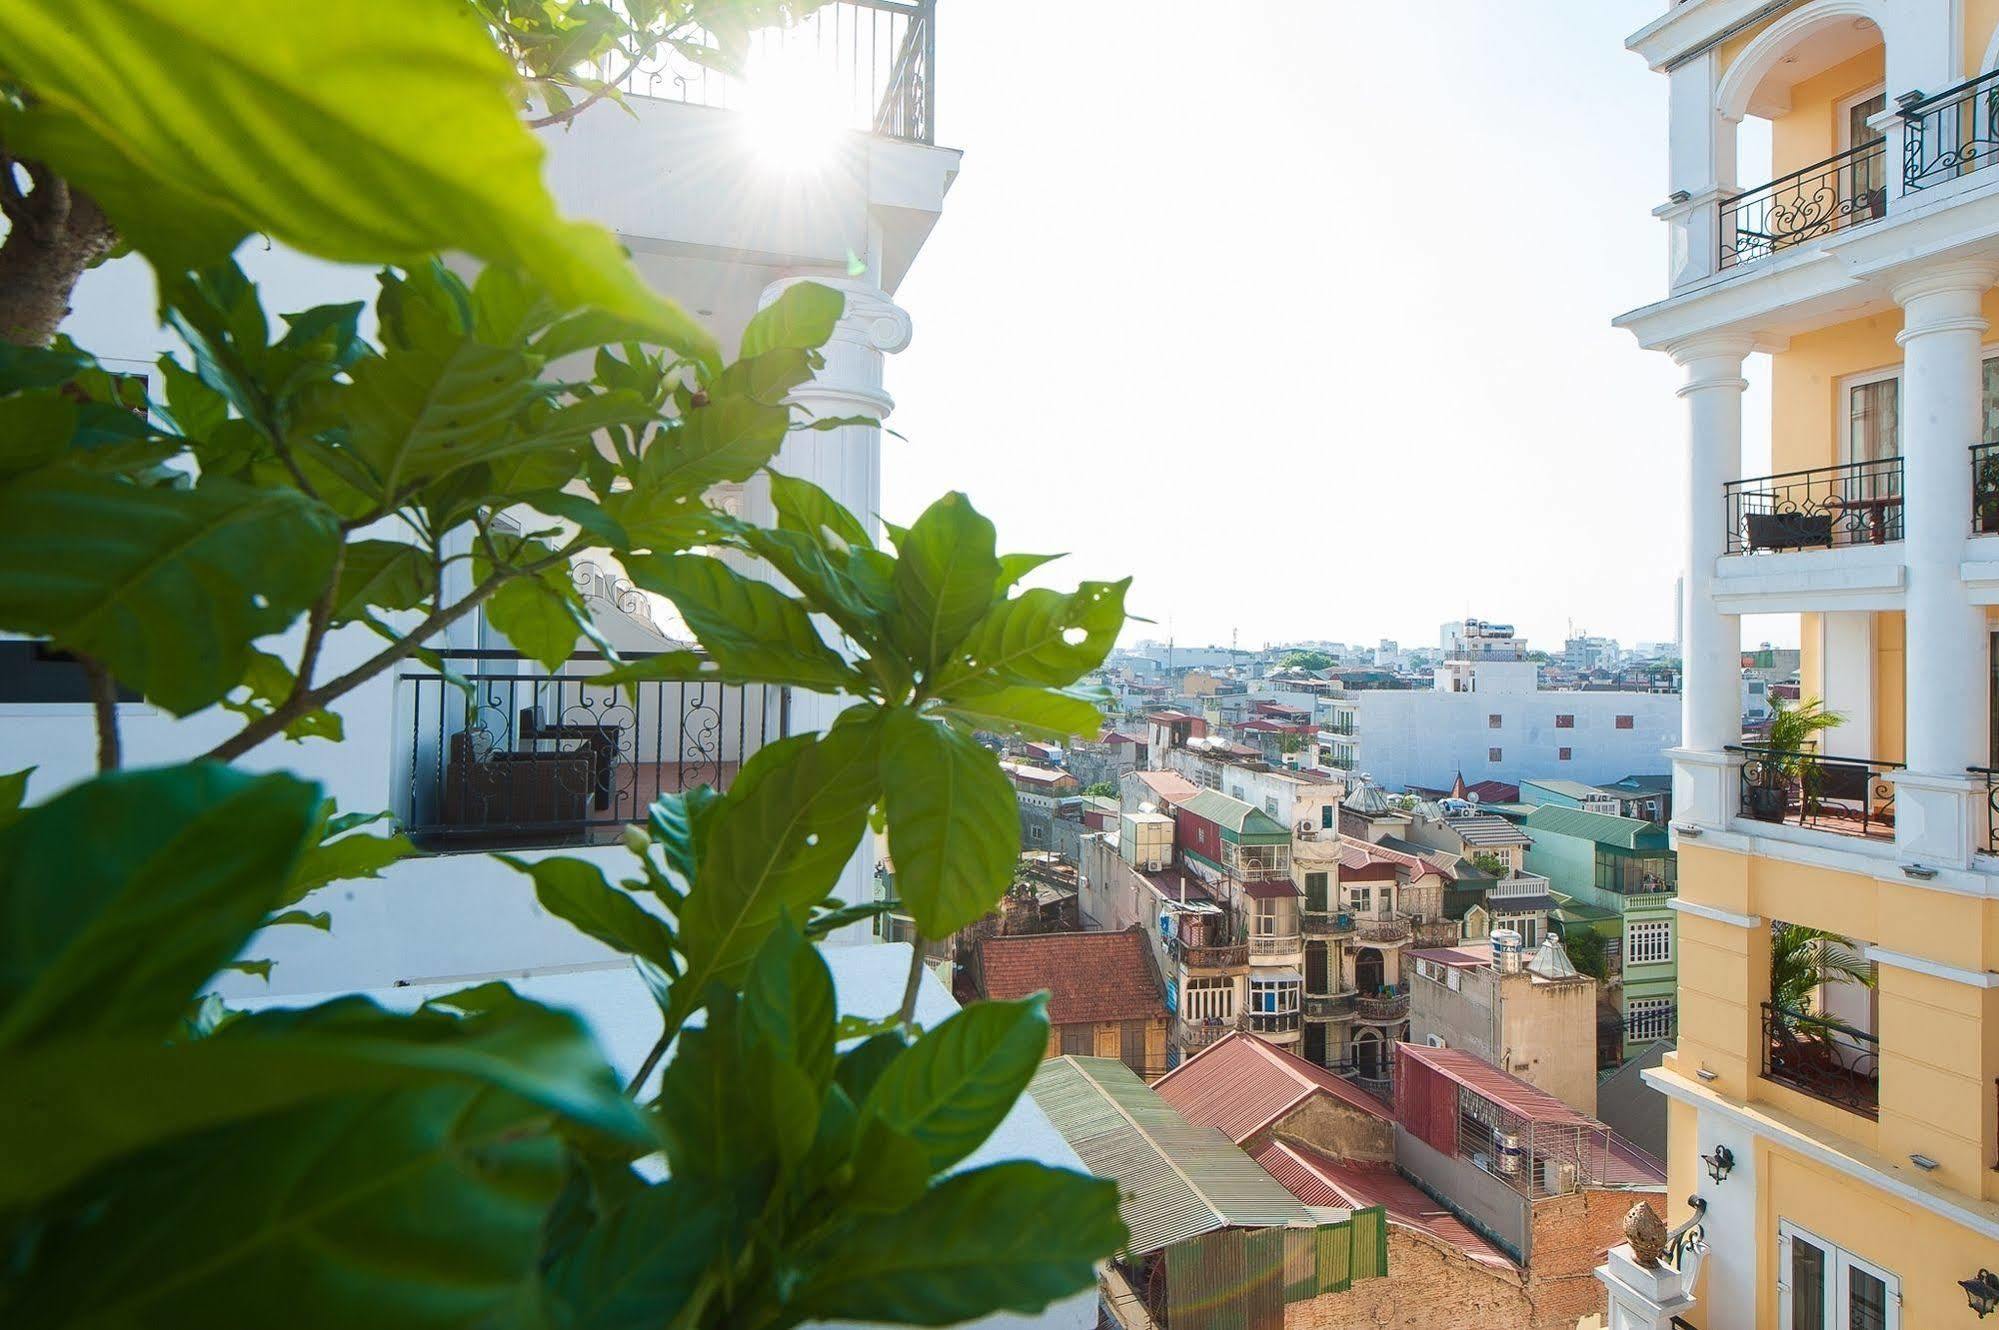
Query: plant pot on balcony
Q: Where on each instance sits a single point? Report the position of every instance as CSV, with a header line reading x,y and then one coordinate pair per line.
x,y
1988,517
1766,803
1788,531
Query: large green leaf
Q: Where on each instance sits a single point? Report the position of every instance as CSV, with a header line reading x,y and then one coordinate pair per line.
x,y
575,890
1011,1237
680,824
788,999
805,508
952,1088
121,897
752,630
643,1264
778,841
801,318
168,587
1041,713
418,1207
945,573
60,1124
372,131
381,575
415,413
539,615
953,822
1041,636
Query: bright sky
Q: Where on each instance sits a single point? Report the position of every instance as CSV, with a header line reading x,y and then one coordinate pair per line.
x,y
1304,319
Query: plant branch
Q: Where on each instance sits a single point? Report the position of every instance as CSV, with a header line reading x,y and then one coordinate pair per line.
x,y
914,983
315,630
104,702
652,1060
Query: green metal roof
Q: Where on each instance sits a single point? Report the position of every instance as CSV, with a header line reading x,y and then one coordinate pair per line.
x,y
1572,789
1569,910
1623,833
1178,1180
1233,814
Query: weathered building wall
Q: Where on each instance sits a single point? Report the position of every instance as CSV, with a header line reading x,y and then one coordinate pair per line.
x,y
1430,1286
1334,1129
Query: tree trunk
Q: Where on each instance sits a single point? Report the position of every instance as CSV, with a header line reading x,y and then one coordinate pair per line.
x,y
56,233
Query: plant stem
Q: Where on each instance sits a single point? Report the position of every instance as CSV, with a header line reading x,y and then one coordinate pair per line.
x,y
104,702
652,1060
914,982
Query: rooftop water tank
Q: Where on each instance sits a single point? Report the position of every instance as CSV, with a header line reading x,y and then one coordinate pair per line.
x,y
1506,951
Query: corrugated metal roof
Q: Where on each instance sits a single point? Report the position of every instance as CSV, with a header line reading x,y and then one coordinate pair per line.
x,y
1624,833
1504,1088
1239,1085
1487,829
1232,813
1178,1180
1319,1179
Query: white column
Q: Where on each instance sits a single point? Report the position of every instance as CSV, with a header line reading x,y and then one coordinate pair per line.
x,y
1711,641
846,463
1945,689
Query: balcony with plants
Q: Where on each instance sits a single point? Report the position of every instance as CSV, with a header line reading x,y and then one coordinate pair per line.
x,y
1786,779
1815,1035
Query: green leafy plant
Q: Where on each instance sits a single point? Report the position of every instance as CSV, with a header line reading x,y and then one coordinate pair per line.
x,y
1306,658
1103,789
473,1160
1587,952
1803,960
1782,758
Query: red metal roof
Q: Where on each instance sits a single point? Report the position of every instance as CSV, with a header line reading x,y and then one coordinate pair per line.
x,y
1269,890
1530,1102
1170,785
1088,977
1318,1179
1240,1085
1631,1166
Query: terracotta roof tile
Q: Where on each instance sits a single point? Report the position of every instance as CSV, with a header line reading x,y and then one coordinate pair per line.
x,y
1240,1084
1088,977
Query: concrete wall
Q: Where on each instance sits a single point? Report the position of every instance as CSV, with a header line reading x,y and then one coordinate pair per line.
x,y
1479,1198
1336,1129
1426,738
1431,1285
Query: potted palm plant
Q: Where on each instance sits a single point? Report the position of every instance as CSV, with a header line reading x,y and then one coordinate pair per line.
x,y
1793,730
1985,492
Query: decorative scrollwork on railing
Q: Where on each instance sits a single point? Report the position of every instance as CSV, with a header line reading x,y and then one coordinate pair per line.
x,y
1951,134
1853,796
1688,1238
1823,1058
1990,775
1844,190
1858,503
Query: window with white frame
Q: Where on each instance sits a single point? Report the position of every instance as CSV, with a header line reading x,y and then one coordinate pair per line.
x,y
1361,897
1649,942
1824,1287
1648,1018
1208,998
1274,997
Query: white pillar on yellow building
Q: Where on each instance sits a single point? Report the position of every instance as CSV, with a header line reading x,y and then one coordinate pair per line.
x,y
1942,341
1711,641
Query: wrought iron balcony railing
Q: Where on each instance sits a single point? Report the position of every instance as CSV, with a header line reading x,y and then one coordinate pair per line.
x,y
1990,775
529,758
1985,488
1951,134
1853,796
1329,1006
1196,1034
873,63
1382,928
1822,1058
1382,1007
1201,956
1843,191
1323,924
1858,503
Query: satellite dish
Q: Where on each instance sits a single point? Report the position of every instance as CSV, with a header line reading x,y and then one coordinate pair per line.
x,y
1471,797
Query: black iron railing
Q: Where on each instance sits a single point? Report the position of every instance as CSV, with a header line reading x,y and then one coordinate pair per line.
x,y
1686,1239
1985,488
1645,1026
1990,775
1951,134
1844,190
1858,503
1272,1022
517,756
1825,1059
872,64
1853,796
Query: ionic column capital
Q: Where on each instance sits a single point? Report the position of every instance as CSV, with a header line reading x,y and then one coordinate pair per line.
x,y
1712,362
870,320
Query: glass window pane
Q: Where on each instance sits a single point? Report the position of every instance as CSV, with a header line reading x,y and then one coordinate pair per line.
x,y
1873,410
1807,1286
1990,418
1866,1300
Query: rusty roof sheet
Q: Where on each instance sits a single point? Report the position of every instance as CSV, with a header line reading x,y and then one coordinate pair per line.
x,y
1170,785
1501,1087
1240,1084
1319,1179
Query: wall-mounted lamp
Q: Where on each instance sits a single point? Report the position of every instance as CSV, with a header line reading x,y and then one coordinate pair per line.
x,y
1678,196
1924,1162
1690,832
1918,872
1706,1076
1720,1163
1982,1293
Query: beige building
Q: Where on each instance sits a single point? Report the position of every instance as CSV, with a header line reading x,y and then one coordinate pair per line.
x,y
1533,1018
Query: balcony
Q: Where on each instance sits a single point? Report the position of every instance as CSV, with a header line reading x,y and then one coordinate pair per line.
x,y
1822,1058
1846,190
1326,924
1848,796
519,757
1191,1036
1201,956
1386,928
1276,944
873,63
1951,135
1990,775
1383,1008
1271,1022
1829,507
1985,489
1330,1006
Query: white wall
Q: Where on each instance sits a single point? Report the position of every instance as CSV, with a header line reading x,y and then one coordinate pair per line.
x,y
1426,738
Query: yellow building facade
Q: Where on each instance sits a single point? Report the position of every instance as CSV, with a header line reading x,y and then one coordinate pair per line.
x,y
1834,1096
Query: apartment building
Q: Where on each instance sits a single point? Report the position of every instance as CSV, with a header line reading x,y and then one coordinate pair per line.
x,y
1517,1010
1842,1138
1485,717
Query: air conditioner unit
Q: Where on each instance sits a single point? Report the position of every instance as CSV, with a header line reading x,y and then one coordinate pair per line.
x,y
1153,865
1436,1041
